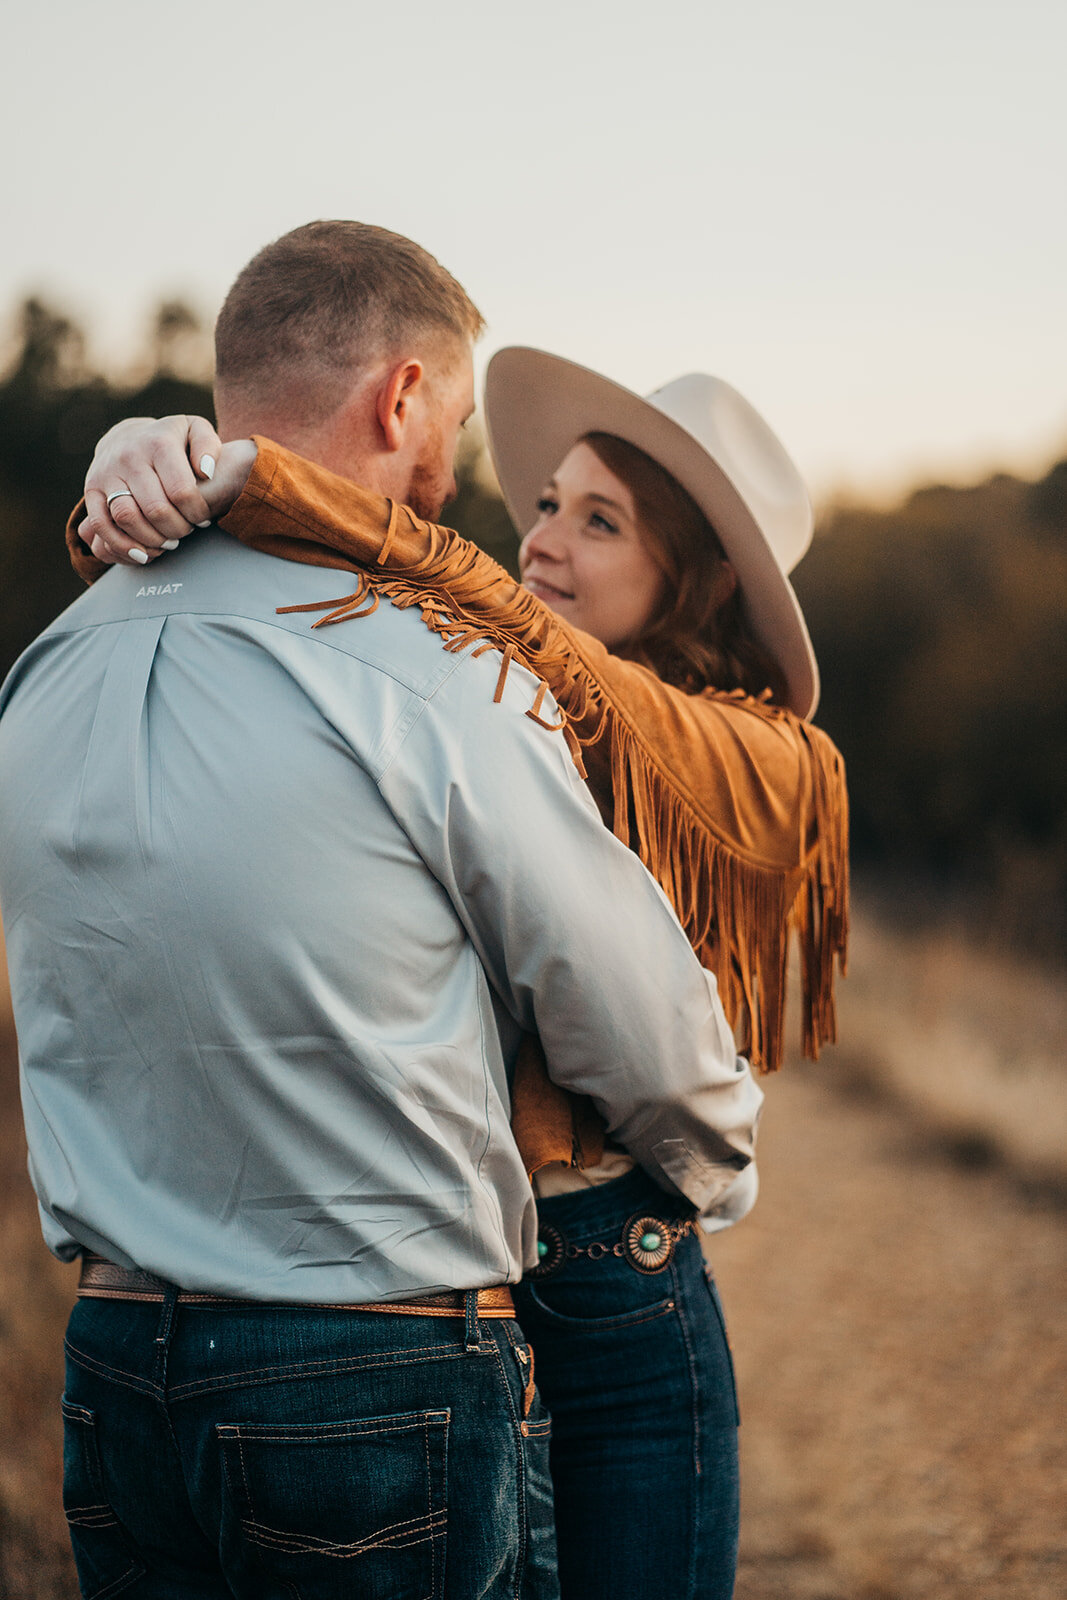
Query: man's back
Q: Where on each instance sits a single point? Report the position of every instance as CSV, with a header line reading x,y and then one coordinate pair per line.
x,y
259,1039
260,1052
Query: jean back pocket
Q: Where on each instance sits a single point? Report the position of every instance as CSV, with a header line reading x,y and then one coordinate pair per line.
x,y
106,1564
314,1501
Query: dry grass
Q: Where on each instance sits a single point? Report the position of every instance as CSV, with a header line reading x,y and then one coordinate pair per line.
x,y
974,1044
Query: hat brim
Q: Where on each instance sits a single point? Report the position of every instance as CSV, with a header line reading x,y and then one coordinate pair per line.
x,y
537,406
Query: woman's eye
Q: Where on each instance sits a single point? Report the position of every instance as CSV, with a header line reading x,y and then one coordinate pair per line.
x,y
547,506
602,523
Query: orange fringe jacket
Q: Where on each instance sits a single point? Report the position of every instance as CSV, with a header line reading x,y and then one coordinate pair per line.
x,y
737,807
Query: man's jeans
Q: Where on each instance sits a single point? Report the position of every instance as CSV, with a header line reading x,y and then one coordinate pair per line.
x,y
277,1452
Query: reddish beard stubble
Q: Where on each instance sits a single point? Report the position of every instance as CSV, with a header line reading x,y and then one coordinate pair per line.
x,y
428,488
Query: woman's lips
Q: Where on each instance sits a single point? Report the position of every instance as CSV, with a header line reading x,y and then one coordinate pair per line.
x,y
544,591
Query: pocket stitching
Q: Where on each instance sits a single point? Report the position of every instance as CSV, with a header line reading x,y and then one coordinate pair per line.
x,y
101,1514
131,1575
323,1432
626,1319
307,1544
426,1528
91,1516
444,1491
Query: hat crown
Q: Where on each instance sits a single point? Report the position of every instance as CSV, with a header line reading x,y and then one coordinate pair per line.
x,y
748,453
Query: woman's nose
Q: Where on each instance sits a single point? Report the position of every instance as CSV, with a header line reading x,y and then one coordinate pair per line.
x,y
544,542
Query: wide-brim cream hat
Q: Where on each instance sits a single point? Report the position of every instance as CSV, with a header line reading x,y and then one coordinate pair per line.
x,y
705,435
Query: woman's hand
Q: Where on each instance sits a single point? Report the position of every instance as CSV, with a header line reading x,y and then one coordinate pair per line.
x,y
143,493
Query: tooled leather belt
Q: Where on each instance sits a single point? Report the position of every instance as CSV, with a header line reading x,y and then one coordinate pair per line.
x,y
103,1280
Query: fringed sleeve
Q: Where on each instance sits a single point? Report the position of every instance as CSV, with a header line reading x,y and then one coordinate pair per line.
x,y
82,559
737,807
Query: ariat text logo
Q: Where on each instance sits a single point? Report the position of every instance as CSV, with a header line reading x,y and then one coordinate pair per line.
x,y
158,588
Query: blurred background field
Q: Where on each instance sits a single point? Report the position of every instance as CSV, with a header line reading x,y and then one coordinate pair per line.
x,y
898,1300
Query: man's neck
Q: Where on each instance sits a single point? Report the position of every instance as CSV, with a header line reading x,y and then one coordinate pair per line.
x,y
371,469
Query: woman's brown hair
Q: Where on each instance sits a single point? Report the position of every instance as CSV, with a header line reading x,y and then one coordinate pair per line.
x,y
693,641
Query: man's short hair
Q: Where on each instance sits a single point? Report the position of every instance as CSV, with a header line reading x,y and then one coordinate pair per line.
x,y
323,301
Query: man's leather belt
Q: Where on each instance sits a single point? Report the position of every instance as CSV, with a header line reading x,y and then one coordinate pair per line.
x,y
102,1280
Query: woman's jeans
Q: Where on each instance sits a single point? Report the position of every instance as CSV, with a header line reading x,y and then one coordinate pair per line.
x,y
637,1376
271,1453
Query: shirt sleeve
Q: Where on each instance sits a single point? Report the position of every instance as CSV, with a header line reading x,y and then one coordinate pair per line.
x,y
737,807
574,935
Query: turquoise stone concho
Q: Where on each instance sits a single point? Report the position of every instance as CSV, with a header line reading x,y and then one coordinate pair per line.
x,y
648,1243
550,1251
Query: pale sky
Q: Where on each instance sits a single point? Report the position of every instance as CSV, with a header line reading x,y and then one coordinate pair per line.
x,y
853,211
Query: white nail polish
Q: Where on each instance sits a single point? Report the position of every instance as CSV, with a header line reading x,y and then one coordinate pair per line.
x,y
204,524
140,556
207,466
172,544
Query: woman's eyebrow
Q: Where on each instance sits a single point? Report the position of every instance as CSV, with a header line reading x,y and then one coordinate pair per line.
x,y
602,499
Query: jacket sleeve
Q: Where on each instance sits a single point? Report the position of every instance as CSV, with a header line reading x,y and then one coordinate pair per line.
x,y
736,806
82,559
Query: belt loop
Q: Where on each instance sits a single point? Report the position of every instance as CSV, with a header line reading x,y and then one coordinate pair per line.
x,y
166,1319
471,1338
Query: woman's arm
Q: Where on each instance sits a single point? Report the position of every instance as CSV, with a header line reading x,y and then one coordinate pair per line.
x,y
737,807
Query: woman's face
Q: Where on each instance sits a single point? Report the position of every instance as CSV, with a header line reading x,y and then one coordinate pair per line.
x,y
585,555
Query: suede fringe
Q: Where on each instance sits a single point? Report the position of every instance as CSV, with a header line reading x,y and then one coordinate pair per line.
x,y
739,916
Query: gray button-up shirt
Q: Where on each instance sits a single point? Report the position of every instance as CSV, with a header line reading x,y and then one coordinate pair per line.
x,y
277,903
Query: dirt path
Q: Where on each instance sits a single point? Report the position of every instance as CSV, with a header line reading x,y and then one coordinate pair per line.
x,y
899,1326
899,1329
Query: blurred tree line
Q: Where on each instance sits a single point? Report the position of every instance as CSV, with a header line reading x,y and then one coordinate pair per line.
x,y
52,411
941,632
940,625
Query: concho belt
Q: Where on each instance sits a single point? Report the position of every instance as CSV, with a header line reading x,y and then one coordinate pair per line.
x,y
647,1243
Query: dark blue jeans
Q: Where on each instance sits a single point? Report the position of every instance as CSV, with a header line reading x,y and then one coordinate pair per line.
x,y
301,1454
637,1376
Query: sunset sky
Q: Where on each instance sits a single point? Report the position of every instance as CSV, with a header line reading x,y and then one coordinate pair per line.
x,y
853,212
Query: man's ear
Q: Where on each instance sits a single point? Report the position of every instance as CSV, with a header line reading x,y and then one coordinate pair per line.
x,y
393,401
